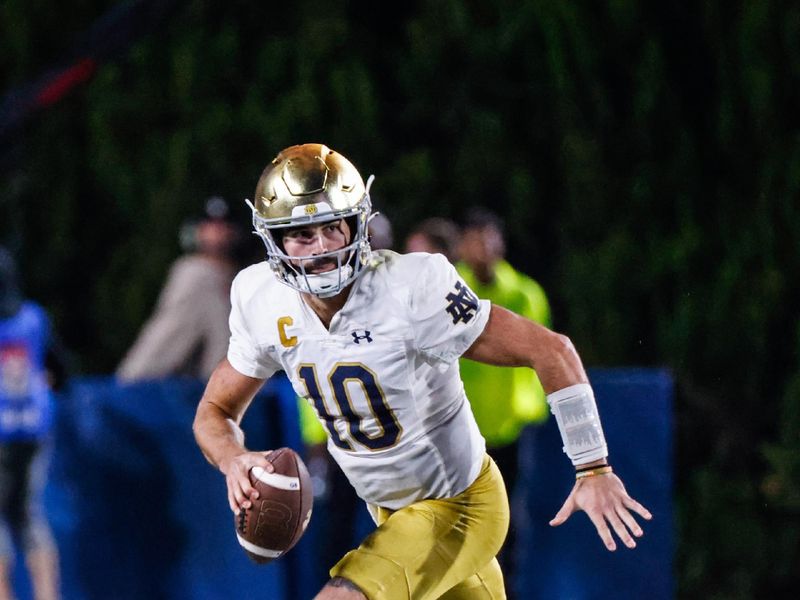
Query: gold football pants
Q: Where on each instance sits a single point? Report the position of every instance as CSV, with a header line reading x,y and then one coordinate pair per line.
x,y
436,549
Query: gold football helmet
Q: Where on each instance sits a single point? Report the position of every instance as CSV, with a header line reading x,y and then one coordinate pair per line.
x,y
312,184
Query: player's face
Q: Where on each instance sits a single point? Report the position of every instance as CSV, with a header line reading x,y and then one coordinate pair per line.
x,y
313,240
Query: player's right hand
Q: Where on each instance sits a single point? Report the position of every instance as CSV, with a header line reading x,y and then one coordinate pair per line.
x,y
241,493
606,502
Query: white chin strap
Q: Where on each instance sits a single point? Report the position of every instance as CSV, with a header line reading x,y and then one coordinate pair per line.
x,y
324,285
579,423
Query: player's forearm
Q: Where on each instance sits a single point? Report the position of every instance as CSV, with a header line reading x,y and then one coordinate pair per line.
x,y
557,363
514,341
219,436
216,425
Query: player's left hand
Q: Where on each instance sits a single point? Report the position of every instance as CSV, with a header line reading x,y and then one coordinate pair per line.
x,y
604,499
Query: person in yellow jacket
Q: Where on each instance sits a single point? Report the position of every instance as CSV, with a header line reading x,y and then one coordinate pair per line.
x,y
503,400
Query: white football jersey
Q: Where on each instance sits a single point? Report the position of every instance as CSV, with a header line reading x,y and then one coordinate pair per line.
x,y
384,377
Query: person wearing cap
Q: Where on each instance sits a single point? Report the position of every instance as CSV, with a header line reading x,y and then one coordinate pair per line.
x,y
187,334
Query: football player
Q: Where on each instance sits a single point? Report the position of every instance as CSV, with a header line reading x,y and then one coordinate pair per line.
x,y
372,339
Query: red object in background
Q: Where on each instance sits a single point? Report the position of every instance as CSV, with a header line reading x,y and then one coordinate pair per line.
x,y
56,89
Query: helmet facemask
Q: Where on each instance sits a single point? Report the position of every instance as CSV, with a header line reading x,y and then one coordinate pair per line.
x,y
350,259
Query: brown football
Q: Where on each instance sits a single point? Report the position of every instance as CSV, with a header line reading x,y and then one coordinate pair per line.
x,y
280,515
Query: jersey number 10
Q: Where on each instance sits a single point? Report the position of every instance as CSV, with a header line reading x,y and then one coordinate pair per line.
x,y
340,378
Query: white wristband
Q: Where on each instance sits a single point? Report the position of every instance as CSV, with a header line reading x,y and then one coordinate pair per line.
x,y
579,423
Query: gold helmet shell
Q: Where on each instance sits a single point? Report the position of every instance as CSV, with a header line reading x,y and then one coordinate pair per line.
x,y
307,180
312,184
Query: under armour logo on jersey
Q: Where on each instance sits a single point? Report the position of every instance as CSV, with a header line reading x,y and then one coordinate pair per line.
x,y
363,336
463,304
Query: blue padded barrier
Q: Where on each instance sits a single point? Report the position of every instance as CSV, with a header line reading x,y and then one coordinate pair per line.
x,y
570,562
138,513
136,509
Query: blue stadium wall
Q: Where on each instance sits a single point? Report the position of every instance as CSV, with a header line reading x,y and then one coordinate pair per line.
x,y
138,513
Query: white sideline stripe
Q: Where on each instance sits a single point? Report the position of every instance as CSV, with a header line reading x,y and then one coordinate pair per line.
x,y
258,550
276,480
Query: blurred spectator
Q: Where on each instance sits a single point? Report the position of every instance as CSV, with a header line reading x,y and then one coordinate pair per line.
x,y
503,400
27,347
188,332
435,235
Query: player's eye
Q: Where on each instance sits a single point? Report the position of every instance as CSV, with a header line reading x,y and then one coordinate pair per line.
x,y
299,234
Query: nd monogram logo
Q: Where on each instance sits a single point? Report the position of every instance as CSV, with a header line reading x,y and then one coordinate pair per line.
x,y
463,304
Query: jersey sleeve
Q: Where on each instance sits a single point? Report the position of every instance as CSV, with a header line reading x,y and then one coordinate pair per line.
x,y
245,354
446,315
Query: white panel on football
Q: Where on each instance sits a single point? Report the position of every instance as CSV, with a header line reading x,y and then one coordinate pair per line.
x,y
276,480
258,549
